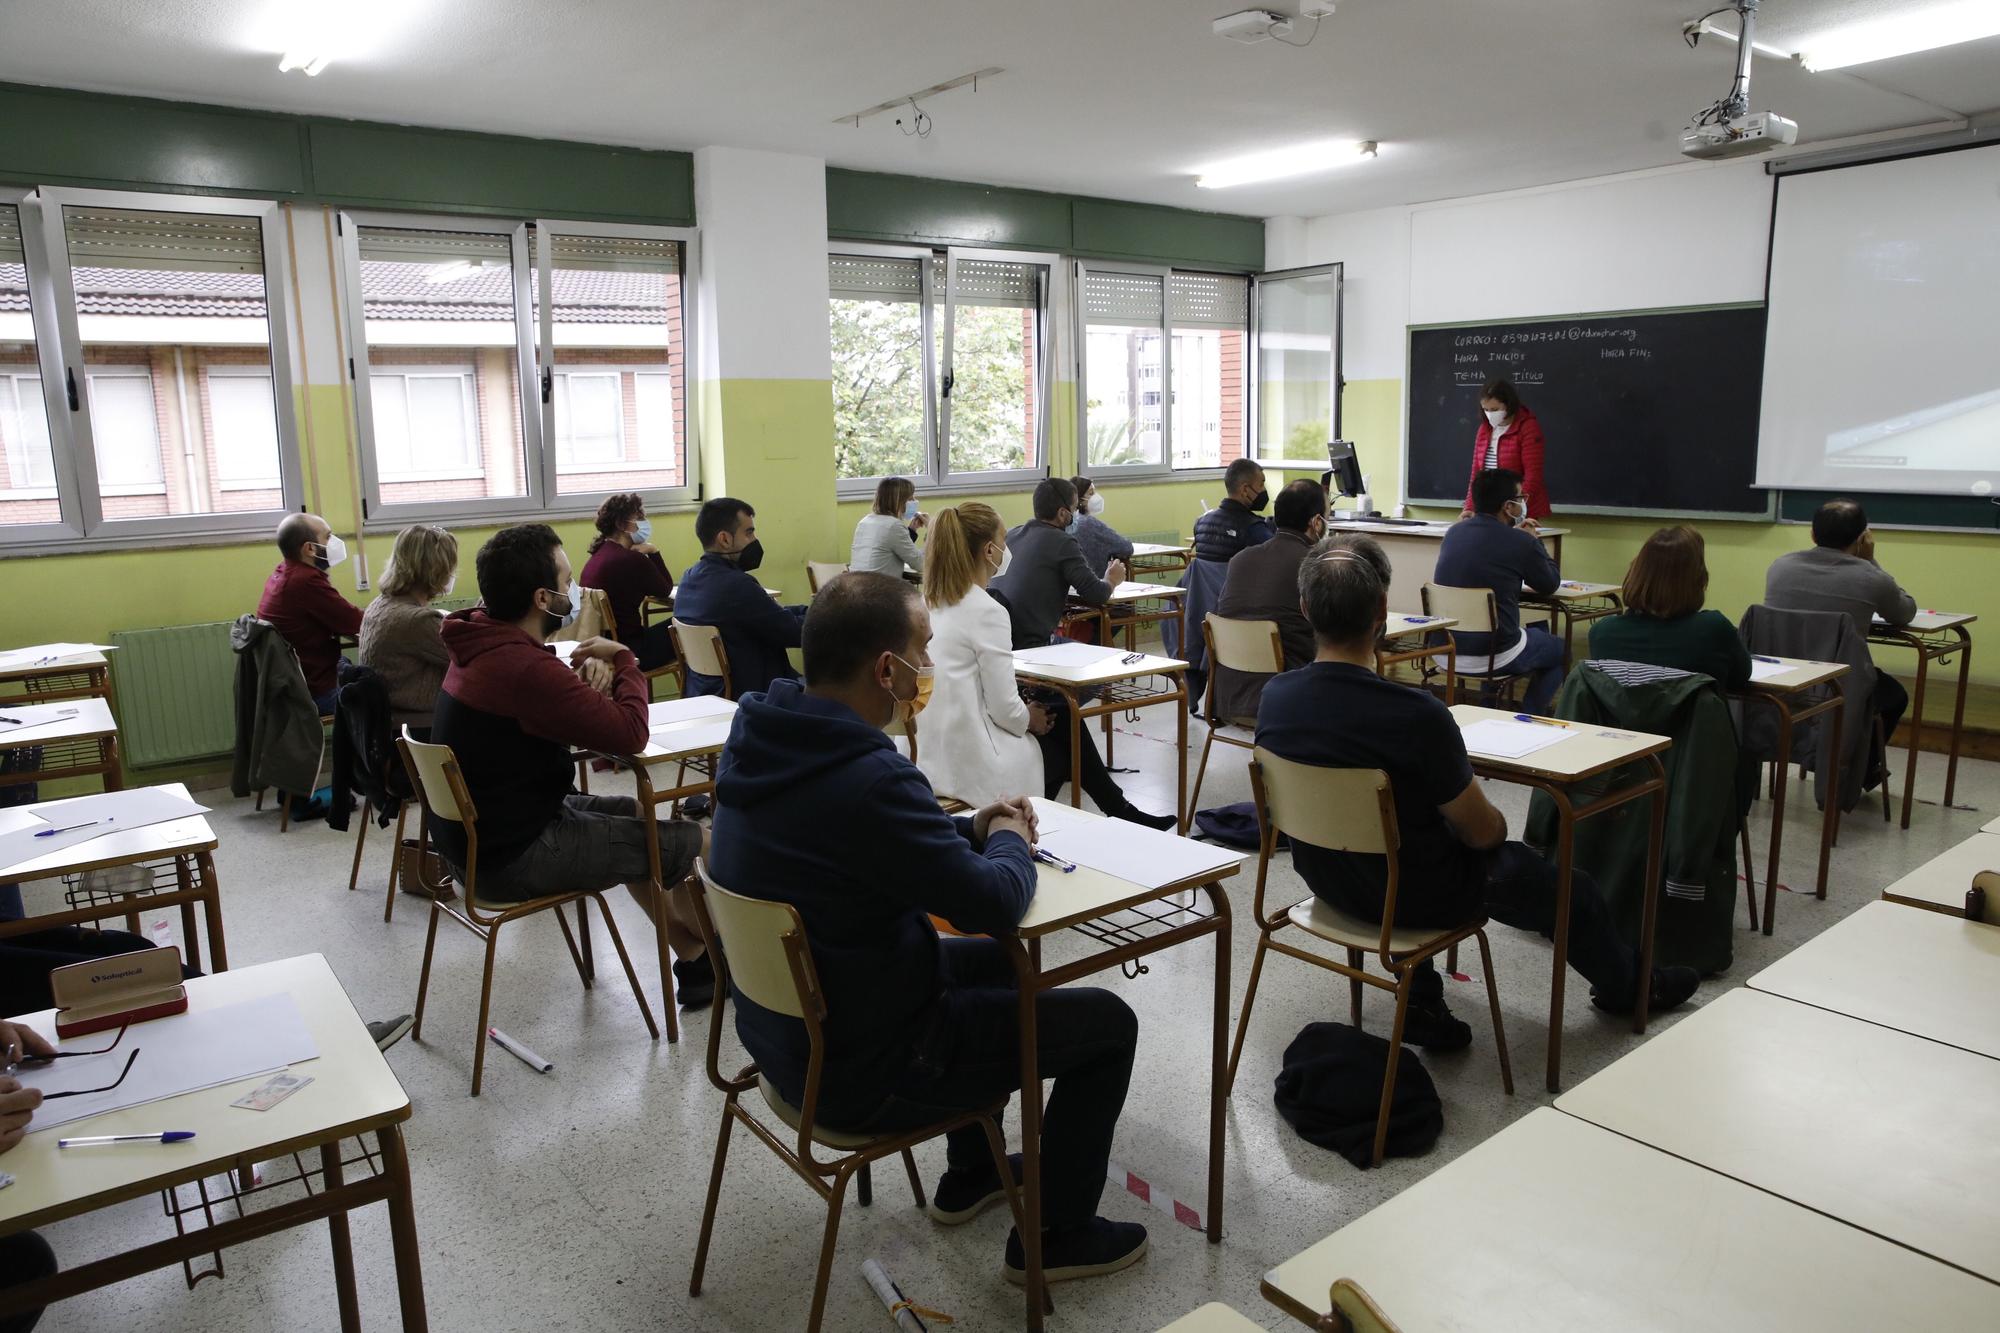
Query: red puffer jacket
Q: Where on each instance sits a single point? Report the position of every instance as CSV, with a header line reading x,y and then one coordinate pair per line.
x,y
1521,451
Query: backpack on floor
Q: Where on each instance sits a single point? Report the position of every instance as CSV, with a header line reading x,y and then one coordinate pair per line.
x,y
1330,1090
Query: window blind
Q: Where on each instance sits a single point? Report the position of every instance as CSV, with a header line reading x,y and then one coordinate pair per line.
x,y
875,278
209,242
1209,300
433,247
607,254
994,282
1122,298
10,236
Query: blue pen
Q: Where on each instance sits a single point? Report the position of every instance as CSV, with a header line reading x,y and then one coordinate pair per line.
x,y
1050,858
1759,657
1539,721
1419,620
99,1140
51,832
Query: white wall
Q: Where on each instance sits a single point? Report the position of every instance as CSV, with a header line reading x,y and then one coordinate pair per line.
x,y
763,264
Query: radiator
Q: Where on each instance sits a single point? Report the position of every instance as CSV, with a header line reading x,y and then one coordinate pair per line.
x,y
176,691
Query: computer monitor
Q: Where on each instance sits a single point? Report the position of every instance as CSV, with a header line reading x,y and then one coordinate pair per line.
x,y
1344,474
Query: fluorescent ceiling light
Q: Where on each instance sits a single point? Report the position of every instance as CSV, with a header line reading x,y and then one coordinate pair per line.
x,y
1926,30
311,64
1304,160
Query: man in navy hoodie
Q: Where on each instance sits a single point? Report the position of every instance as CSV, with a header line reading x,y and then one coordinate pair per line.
x,y
513,712
722,590
816,808
1500,548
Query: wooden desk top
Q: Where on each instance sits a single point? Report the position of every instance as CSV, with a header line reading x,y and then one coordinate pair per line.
x,y
42,724
1590,750
1143,592
1141,550
1399,625
1940,883
683,728
1569,590
74,662
1990,826
1556,1226
1100,668
1880,1129
1926,622
1799,674
1215,1317
176,837
352,1089
1924,973
1063,898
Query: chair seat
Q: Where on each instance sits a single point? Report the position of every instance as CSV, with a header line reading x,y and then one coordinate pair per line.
x,y
515,905
1330,923
829,1138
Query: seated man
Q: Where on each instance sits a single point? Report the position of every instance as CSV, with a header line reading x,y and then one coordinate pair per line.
x,y
815,808
1838,573
1263,584
1500,548
1234,525
1455,859
512,713
1046,564
721,591
302,604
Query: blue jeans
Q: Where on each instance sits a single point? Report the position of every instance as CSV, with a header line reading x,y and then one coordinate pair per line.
x,y
1541,661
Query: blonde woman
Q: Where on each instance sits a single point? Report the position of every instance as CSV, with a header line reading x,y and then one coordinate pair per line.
x,y
982,741
399,631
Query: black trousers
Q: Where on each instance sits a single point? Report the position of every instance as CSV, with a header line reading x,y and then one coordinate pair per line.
x,y
1085,1040
24,1257
1097,781
653,646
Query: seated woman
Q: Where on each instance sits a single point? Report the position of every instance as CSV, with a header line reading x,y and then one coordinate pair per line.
x,y
399,631
885,540
1663,623
626,566
980,737
1101,542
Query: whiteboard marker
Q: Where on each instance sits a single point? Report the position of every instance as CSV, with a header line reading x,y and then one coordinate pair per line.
x,y
520,1052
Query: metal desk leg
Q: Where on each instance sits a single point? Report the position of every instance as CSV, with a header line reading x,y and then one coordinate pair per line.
x,y
403,1230
1649,918
1180,707
1565,867
218,949
1036,1288
343,1246
1958,713
1780,776
1077,722
1829,826
1915,722
1218,1074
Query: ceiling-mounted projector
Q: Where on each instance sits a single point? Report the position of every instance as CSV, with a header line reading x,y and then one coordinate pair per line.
x,y
1728,127
1252,25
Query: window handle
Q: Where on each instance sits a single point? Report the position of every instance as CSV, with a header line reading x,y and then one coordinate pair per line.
x,y
944,384
69,380
548,384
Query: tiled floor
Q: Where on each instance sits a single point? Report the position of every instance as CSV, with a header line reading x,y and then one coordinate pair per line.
x,y
572,1200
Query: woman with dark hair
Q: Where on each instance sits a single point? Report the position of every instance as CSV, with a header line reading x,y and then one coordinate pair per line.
x,y
626,567
1509,437
1663,623
1101,542
885,540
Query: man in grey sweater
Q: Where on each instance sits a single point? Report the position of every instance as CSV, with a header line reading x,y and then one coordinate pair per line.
x,y
1838,573
1045,563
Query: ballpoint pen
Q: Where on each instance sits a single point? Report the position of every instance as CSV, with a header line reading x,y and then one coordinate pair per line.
x,y
1539,721
1050,858
51,832
102,1140
1759,657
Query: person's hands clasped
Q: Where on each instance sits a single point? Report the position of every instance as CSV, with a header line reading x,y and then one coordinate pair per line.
x,y
1529,526
1013,814
598,674
596,646
1040,720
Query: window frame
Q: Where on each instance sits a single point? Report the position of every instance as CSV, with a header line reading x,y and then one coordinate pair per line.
x,y
937,352
1253,369
81,524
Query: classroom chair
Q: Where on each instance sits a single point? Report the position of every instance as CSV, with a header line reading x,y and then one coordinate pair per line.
x,y
700,650
1982,900
441,792
904,724
1251,647
1354,1311
1348,810
284,797
760,947
602,603
820,572
1473,609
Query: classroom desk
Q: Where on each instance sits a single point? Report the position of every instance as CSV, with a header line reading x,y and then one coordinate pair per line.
x,y
1400,626
1939,884
1573,604
80,746
1413,551
1132,919
1155,558
1931,636
189,843
1136,604
1118,688
1782,693
1558,771
1215,1317
79,676
1557,1226
352,1093
687,733
1872,1126
1923,973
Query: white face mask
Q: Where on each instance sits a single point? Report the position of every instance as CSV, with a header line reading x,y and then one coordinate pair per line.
x,y
335,551
1006,559
1096,505
1496,419
567,618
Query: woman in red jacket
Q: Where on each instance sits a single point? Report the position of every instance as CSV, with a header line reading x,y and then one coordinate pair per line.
x,y
1509,437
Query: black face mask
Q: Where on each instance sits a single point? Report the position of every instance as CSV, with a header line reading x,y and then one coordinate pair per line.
x,y
750,557
1258,501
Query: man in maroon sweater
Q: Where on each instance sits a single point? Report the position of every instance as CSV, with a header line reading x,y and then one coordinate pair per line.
x,y
302,604
513,713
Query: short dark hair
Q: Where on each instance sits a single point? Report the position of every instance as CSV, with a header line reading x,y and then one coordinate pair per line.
x,y
718,516
1084,486
1238,472
1839,523
1668,579
1502,392
513,564
1052,495
294,531
616,511
1341,584
1298,504
854,620
1493,488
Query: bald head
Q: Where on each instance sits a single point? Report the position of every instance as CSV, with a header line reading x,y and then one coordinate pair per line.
x,y
297,531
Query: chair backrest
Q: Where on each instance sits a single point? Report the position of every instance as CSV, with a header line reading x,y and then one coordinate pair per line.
x,y
1355,1311
753,934
1340,809
820,572
593,616
1982,900
1250,646
440,787
1472,608
700,647
905,725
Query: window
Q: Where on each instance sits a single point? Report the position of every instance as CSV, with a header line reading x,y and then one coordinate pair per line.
x,y
451,317
1143,329
141,384
1298,362
939,364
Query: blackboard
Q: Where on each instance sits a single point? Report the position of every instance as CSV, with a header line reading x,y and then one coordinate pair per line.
x,y
1972,512
1653,411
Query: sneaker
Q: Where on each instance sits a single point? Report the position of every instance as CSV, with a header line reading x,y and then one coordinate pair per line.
x,y
1435,1028
1671,988
1091,1250
961,1196
694,982
388,1031
698,807
1134,815
307,808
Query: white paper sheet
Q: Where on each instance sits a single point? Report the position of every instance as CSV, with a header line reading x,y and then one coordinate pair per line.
x,y
1502,738
35,654
1131,852
669,711
699,734
106,812
1069,654
1762,670
32,720
180,1054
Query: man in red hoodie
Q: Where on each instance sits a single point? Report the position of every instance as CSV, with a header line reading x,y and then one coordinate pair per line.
x,y
302,604
513,713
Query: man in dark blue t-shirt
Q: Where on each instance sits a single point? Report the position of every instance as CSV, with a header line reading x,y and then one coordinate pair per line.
x,y
1455,858
1500,547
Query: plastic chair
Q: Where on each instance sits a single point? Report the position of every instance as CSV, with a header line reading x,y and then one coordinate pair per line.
x,y
760,949
440,790
1982,900
699,647
1474,611
1251,647
820,572
1354,1311
1348,810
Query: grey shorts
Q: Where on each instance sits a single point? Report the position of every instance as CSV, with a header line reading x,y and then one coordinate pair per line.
x,y
597,842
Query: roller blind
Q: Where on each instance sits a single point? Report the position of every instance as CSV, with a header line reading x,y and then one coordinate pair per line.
x,y
875,278
1209,300
10,235
625,254
995,282
209,242
433,247
1123,298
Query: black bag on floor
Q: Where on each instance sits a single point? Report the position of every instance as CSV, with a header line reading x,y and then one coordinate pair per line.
x,y
1331,1088
1233,826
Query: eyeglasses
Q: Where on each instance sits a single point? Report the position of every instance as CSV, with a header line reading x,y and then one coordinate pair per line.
x,y
36,1061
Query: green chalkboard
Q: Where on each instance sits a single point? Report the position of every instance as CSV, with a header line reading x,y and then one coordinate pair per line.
x,y
1971,512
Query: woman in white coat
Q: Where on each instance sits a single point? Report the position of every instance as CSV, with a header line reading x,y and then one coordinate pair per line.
x,y
981,741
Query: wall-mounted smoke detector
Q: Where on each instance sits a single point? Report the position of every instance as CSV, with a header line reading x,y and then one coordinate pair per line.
x,y
1253,25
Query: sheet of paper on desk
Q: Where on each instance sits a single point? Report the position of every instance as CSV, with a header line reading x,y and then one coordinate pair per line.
x,y
19,720
1051,816
669,711
700,734
1066,654
1501,738
20,657
1762,670
106,812
186,1052
1141,855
